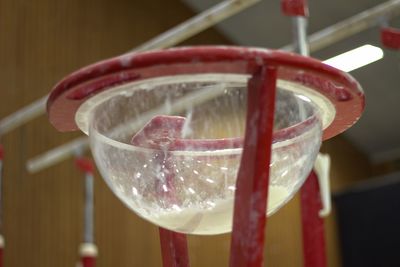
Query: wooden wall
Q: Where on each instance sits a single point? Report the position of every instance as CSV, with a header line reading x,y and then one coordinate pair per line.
x,y
42,41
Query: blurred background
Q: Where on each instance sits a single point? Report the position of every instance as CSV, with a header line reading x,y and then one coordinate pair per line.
x,y
42,41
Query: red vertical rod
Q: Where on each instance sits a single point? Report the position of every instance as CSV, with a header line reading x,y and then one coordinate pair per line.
x,y
173,249
247,243
2,243
314,253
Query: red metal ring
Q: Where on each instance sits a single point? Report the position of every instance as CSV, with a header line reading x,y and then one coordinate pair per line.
x,y
340,88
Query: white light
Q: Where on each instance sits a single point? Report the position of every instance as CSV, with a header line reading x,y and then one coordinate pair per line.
x,y
356,58
191,190
134,191
303,98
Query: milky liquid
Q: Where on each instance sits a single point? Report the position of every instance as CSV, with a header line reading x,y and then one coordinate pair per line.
x,y
216,219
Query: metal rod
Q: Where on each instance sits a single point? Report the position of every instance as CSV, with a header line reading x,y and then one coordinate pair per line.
x,y
23,115
197,24
317,41
57,154
169,38
351,26
300,35
300,41
88,213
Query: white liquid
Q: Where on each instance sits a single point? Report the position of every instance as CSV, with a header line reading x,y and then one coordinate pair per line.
x,y
214,220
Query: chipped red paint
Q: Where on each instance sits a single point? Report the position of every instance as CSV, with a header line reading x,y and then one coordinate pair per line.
x,y
314,254
348,100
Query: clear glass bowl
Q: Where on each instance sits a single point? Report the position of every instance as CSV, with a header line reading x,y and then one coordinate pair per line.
x,y
170,147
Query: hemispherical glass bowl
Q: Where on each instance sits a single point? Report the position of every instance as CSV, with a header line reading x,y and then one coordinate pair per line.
x,y
170,147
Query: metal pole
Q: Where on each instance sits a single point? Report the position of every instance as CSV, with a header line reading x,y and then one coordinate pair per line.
x,y
88,221
88,249
316,41
23,115
169,38
300,35
57,154
196,24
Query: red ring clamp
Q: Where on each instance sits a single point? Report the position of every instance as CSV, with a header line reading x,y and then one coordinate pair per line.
x,y
390,37
294,8
84,164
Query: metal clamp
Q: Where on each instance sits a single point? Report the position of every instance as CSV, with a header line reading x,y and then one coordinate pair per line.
x,y
322,167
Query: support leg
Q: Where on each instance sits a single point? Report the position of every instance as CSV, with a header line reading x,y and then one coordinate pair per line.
x,y
312,224
173,249
247,244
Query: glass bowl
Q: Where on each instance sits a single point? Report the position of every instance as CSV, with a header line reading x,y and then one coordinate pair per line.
x,y
170,147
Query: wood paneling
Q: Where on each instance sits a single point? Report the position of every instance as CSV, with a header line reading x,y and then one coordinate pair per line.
x,y
42,41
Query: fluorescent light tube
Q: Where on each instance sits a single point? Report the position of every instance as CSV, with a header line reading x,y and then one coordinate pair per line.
x,y
356,58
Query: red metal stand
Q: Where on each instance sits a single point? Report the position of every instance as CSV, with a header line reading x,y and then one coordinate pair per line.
x,y
340,89
314,253
247,245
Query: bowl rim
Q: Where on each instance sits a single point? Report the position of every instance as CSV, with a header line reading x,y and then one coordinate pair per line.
x,y
341,89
